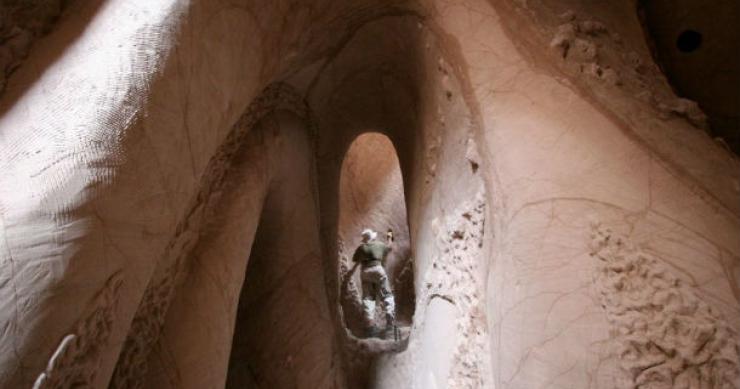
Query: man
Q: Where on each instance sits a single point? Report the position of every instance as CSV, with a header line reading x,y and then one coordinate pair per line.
x,y
375,285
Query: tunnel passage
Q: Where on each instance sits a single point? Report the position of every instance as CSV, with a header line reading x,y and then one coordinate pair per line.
x,y
371,195
283,336
285,333
409,90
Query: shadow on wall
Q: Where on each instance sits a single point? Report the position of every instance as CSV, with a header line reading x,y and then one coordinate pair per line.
x,y
283,333
697,46
371,196
24,24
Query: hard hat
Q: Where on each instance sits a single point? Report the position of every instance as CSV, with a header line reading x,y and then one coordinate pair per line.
x,y
369,234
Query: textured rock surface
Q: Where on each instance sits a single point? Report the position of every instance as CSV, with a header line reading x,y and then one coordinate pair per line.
x,y
172,211
665,335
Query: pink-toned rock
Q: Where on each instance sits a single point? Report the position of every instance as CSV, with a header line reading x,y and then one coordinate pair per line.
x,y
183,184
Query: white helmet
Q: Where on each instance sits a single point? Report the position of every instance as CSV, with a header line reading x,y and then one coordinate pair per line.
x,y
369,234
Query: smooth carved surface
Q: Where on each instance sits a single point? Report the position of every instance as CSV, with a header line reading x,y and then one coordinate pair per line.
x,y
665,335
75,362
150,316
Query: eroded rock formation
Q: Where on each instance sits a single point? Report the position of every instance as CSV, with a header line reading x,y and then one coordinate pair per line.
x,y
183,183
665,335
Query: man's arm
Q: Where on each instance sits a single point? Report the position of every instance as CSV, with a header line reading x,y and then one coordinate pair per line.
x,y
387,250
357,257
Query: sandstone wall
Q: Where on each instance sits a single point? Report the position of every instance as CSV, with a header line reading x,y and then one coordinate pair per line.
x,y
571,223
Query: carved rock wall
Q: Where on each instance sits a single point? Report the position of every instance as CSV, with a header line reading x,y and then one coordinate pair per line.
x,y
135,151
76,361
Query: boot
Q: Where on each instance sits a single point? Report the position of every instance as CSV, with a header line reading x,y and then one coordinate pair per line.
x,y
372,332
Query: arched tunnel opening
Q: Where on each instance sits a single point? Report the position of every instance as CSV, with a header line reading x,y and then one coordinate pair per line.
x,y
371,196
282,335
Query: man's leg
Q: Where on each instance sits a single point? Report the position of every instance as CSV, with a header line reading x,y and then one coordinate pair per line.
x,y
388,303
368,304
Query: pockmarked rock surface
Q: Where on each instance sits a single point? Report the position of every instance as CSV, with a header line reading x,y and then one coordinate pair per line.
x,y
665,335
183,184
